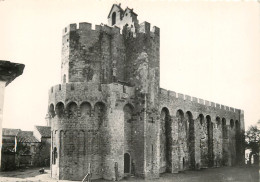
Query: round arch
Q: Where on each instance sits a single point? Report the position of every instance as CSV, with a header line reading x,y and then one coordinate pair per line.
x,y
85,108
165,140
128,112
113,18
201,119
72,109
218,122
127,162
180,118
59,109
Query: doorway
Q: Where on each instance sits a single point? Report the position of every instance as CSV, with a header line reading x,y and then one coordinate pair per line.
x,y
127,163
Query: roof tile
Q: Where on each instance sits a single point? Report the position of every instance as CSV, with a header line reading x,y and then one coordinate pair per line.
x,y
10,131
26,137
45,131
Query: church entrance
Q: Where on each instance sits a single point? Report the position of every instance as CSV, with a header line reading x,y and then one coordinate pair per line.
x,y
127,163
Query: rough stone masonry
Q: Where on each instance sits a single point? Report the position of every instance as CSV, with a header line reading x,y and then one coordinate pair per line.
x,y
109,116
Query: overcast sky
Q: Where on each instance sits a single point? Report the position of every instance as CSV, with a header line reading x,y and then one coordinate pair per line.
x,y
208,50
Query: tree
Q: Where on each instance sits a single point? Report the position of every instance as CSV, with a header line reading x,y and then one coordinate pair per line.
x,y
252,138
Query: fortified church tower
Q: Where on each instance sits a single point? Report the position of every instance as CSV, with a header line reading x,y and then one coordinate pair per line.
x,y
110,118
100,112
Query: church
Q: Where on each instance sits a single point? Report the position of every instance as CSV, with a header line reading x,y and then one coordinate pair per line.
x,y
110,118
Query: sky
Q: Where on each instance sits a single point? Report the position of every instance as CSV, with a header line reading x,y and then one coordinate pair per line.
x,y
209,50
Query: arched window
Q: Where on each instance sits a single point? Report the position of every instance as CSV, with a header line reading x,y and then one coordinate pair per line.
x,y
54,155
114,18
85,109
72,109
180,118
127,163
165,140
218,122
59,109
128,113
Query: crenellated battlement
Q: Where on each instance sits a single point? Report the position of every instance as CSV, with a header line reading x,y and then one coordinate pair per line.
x,y
144,27
84,26
169,95
90,87
99,53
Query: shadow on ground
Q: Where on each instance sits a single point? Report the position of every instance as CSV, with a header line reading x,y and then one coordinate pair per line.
x,y
30,174
224,174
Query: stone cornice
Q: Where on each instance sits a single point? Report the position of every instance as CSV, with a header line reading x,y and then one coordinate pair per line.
x,y
9,71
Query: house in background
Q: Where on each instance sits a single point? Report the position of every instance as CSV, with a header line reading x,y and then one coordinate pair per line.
x,y
26,148
9,141
43,134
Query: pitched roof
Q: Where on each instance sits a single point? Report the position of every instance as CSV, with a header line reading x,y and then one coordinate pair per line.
x,y
10,132
45,131
118,6
26,137
131,11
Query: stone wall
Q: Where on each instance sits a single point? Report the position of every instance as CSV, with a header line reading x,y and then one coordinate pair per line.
x,y
97,121
104,55
217,138
183,133
111,118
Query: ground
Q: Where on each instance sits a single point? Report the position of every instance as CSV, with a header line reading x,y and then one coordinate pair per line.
x,y
224,174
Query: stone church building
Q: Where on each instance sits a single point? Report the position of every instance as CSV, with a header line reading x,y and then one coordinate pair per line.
x,y
109,116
